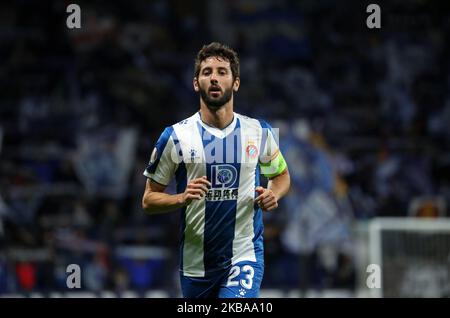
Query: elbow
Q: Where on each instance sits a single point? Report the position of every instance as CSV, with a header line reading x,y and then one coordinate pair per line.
x,y
146,205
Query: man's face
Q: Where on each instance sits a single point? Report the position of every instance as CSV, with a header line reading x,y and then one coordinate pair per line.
x,y
215,82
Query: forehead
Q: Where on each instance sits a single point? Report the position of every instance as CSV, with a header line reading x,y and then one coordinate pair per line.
x,y
215,62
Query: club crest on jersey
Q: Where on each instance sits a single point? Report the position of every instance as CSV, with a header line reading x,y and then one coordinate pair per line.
x,y
251,150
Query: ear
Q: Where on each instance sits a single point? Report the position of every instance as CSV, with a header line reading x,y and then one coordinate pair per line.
x,y
236,84
195,84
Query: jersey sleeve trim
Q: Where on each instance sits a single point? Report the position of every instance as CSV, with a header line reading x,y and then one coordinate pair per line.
x,y
155,181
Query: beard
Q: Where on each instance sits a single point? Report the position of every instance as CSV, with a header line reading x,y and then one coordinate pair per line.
x,y
215,103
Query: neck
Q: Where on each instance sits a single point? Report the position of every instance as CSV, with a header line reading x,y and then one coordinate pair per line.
x,y
219,118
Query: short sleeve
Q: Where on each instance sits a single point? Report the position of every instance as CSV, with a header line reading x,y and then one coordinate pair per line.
x,y
162,165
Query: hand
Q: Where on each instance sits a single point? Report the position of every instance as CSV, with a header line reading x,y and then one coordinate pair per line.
x,y
266,200
195,190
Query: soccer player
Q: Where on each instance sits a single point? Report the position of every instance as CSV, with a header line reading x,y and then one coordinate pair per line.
x,y
216,157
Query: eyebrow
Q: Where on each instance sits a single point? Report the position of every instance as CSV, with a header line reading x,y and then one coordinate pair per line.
x,y
220,68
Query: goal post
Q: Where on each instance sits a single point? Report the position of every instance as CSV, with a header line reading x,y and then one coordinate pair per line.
x,y
413,255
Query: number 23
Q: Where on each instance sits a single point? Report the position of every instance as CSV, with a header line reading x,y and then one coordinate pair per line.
x,y
247,282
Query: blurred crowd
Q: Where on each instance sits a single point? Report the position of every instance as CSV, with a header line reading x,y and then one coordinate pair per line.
x,y
363,117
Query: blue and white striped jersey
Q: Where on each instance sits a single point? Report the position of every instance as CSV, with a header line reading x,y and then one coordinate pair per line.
x,y
225,227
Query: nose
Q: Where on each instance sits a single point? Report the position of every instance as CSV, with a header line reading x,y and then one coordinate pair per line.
x,y
214,81
213,78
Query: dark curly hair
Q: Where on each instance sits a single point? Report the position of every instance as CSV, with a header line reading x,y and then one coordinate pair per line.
x,y
219,50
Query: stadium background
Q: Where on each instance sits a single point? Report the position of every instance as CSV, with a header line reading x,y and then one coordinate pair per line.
x,y
363,116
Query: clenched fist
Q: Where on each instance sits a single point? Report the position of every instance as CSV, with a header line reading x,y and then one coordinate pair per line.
x,y
195,190
266,200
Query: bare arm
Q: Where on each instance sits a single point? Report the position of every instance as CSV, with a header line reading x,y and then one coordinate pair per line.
x,y
277,187
280,184
155,201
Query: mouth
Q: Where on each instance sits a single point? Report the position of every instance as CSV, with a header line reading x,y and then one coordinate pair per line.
x,y
215,91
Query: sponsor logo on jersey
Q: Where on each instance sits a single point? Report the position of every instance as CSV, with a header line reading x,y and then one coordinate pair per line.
x,y
223,183
223,176
222,194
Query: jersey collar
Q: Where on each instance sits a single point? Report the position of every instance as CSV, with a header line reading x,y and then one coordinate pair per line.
x,y
220,133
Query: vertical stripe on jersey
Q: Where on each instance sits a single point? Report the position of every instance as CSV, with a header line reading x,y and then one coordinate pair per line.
x,y
243,247
181,179
258,227
193,217
220,216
